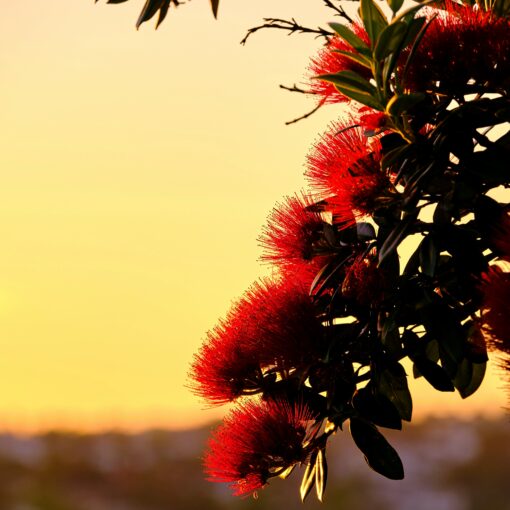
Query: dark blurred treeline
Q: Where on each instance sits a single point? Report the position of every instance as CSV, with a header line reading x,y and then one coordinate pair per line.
x,y
450,465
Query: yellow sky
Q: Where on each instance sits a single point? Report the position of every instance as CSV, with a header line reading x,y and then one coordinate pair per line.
x,y
137,170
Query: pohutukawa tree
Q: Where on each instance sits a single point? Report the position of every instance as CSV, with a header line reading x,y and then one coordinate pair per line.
x,y
319,347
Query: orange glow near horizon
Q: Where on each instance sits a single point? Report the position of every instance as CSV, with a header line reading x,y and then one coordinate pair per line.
x,y
138,168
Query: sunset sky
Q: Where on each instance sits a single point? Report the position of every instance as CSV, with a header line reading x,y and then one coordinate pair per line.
x,y
137,170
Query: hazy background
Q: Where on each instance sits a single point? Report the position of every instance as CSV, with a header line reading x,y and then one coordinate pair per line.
x,y
137,170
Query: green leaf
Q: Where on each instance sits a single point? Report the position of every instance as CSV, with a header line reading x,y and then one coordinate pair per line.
x,y
362,97
390,40
395,5
414,27
321,474
356,57
469,377
379,454
393,384
373,19
348,80
309,476
352,85
409,13
434,374
350,37
400,104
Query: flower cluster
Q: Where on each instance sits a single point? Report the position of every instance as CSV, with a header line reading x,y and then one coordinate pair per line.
x,y
257,441
344,166
321,342
294,240
331,60
273,325
463,49
496,296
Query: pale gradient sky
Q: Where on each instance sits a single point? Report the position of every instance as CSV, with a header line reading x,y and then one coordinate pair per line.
x,y
137,170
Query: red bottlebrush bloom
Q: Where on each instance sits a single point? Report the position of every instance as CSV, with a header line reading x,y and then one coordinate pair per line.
x,y
496,297
257,441
294,239
287,331
364,282
372,121
274,323
345,168
226,366
501,237
463,44
329,61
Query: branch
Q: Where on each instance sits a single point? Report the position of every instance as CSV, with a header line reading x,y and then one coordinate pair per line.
x,y
306,115
291,26
339,10
295,88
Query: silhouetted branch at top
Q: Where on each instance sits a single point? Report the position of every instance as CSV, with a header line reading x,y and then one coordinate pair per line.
x,y
292,26
153,7
339,10
161,7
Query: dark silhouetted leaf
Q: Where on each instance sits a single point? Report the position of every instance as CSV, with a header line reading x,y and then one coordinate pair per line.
x,y
366,231
379,454
376,408
434,374
429,252
214,5
393,384
395,237
469,377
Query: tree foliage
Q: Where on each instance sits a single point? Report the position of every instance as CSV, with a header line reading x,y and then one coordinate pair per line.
x,y
413,166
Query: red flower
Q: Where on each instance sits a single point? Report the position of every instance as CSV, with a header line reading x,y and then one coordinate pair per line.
x,y
372,121
226,366
364,282
494,320
496,298
258,440
294,240
286,332
462,43
273,324
345,168
329,61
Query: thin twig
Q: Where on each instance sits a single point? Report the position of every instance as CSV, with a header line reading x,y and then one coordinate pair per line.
x,y
339,10
306,115
291,26
295,88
